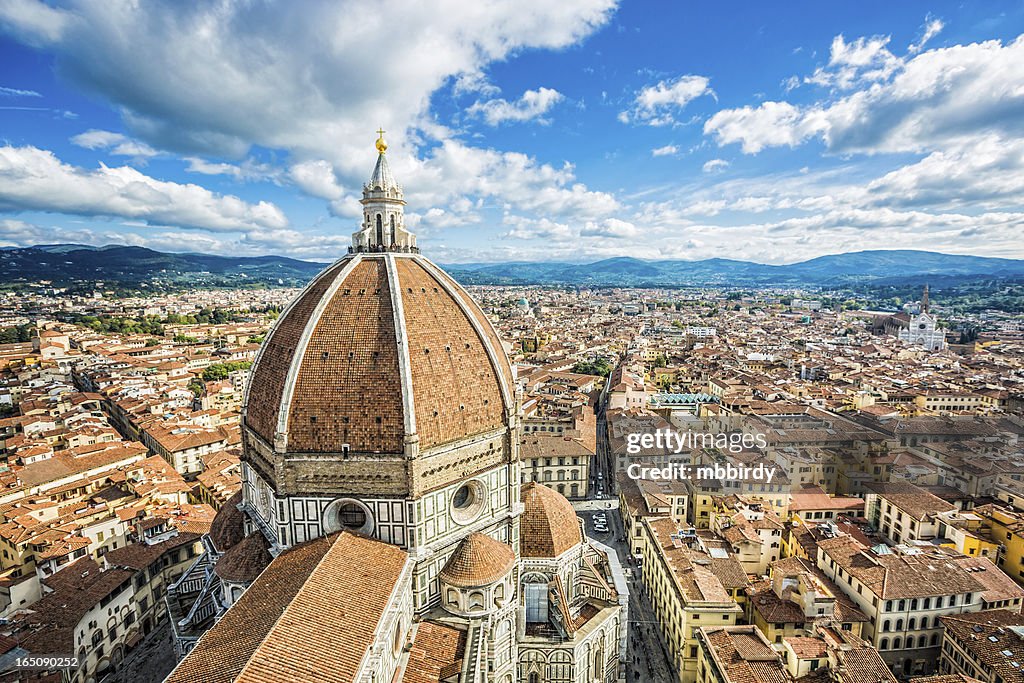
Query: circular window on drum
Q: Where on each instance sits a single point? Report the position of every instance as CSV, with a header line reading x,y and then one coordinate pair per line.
x,y
469,501
348,514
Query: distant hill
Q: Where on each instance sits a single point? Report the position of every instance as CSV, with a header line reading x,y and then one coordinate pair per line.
x,y
131,266
69,263
883,266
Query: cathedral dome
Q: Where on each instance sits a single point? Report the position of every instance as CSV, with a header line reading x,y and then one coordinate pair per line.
x,y
479,560
549,525
381,357
244,561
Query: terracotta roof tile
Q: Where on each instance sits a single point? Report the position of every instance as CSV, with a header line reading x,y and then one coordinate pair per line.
x,y
353,352
456,391
310,616
269,373
244,561
436,654
549,525
227,528
479,560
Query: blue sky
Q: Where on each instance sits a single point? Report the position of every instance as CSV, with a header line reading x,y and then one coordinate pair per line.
x,y
531,130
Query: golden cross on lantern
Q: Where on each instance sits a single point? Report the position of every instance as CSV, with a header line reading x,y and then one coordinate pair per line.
x,y
381,145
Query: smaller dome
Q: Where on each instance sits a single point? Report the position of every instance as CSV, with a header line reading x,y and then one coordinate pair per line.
x,y
478,561
228,526
549,525
245,560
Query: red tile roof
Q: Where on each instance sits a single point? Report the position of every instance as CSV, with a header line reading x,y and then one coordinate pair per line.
x,y
549,525
310,616
479,560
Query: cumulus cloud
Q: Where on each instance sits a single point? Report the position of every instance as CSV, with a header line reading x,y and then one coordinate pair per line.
x,y
217,78
34,179
771,124
667,150
34,22
474,82
657,105
316,178
531,106
18,233
715,165
540,229
934,99
987,173
248,170
114,143
455,171
610,227
211,81
862,61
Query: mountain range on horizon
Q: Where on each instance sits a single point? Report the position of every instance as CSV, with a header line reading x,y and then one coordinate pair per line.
x,y
131,265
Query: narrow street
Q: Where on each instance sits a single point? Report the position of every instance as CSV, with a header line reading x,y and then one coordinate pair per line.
x,y
148,662
649,659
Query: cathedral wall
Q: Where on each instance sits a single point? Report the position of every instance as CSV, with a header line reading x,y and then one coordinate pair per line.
x,y
438,526
440,466
392,634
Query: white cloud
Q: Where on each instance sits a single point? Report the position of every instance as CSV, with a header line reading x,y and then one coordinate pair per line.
x,y
610,227
592,234
115,143
932,28
988,173
17,92
34,22
667,150
541,229
938,98
657,105
770,124
17,233
532,105
249,169
474,82
186,78
316,178
715,165
455,171
34,179
210,81
863,61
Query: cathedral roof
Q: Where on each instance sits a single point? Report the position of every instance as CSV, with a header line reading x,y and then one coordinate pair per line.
x,y
244,561
310,615
549,525
227,528
478,561
378,347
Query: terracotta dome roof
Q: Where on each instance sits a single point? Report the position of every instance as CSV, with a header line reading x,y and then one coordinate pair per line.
x,y
227,528
479,560
391,326
245,560
549,525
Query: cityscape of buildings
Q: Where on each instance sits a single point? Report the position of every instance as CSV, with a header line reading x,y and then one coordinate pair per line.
x,y
387,476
